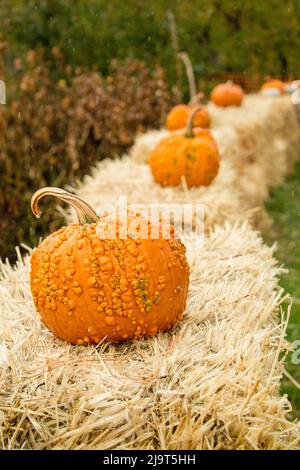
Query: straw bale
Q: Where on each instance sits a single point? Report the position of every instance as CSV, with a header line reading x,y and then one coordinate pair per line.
x,y
145,143
124,177
260,140
268,132
211,383
255,106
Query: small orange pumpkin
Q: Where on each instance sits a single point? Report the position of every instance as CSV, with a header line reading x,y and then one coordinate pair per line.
x,y
273,87
227,94
193,155
178,117
88,287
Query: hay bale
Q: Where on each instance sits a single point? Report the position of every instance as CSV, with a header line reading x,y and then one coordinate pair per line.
x,y
255,106
211,383
260,140
145,143
268,133
111,179
288,130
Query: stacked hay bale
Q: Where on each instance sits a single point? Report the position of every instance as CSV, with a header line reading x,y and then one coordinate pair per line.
x,y
260,139
268,136
112,179
212,383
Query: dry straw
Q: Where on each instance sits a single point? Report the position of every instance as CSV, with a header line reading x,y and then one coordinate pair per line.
x,y
112,179
211,383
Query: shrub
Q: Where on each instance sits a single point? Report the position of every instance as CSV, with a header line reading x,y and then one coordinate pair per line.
x,y
53,129
221,35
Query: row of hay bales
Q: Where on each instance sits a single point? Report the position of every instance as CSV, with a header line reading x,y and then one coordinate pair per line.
x,y
211,383
258,144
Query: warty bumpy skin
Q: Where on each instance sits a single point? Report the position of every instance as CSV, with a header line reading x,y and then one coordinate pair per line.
x,y
89,289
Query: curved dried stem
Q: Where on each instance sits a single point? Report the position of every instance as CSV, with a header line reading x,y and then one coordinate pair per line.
x,y
175,46
190,125
190,73
84,211
197,99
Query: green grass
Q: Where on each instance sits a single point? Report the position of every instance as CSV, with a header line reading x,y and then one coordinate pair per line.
x,y
284,208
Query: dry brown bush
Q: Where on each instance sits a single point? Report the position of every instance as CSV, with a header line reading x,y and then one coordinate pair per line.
x,y
60,120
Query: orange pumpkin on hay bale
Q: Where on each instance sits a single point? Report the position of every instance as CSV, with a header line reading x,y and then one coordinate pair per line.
x,y
227,94
192,154
89,288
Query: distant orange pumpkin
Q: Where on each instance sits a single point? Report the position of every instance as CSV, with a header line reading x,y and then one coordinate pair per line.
x,y
273,86
227,94
178,117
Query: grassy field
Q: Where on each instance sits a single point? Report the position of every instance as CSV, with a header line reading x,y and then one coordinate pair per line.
x,y
284,208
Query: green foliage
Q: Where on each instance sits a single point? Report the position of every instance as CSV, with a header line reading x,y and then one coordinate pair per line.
x,y
220,35
284,208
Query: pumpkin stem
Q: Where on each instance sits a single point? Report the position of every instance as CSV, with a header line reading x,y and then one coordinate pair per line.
x,y
190,73
85,213
196,99
189,126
